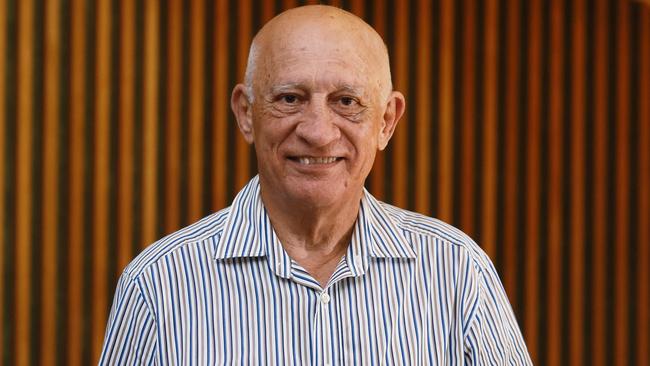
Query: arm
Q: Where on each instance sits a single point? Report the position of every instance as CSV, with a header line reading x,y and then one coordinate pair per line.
x,y
131,331
493,336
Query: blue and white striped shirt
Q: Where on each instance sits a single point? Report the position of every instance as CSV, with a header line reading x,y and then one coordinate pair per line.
x,y
410,290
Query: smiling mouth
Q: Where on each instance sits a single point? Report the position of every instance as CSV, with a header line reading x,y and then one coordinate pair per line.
x,y
310,160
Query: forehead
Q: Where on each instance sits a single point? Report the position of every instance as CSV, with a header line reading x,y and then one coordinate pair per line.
x,y
318,63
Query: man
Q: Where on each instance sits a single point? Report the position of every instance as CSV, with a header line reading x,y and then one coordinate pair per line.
x,y
306,267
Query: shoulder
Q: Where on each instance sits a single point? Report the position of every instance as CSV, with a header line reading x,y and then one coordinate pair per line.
x,y
195,234
432,231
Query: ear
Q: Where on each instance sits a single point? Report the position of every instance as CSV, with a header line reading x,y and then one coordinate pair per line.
x,y
395,108
242,108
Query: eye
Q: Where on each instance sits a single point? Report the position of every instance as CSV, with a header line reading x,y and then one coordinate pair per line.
x,y
347,101
289,98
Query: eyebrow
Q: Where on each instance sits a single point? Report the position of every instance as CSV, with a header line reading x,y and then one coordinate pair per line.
x,y
339,88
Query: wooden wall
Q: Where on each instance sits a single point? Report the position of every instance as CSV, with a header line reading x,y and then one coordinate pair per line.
x,y
528,126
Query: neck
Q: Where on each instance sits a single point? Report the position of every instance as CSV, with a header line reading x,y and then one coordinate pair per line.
x,y
315,237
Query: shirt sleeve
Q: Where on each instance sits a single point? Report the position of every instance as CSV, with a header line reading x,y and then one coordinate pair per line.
x,y
131,331
493,336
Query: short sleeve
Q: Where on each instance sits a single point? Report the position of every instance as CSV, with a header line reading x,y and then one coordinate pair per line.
x,y
493,336
131,331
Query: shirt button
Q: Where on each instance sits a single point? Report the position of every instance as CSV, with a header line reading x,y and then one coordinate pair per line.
x,y
325,298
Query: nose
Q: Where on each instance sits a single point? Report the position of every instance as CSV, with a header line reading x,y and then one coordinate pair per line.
x,y
317,126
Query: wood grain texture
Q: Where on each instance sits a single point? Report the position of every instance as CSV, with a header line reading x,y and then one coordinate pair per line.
x,y
600,180
511,216
24,181
422,110
221,104
51,170
77,220
151,123
533,177
642,316
197,104
126,127
622,182
446,116
556,217
490,136
173,115
4,243
101,176
576,311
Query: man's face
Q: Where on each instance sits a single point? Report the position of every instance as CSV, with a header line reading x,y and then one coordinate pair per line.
x,y
318,119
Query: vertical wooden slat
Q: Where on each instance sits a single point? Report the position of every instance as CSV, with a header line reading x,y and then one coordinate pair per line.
x,y
24,181
642,335
126,126
599,199
577,149
196,122
173,174
423,112
555,187
101,176
242,149
268,11
357,8
621,304
511,217
3,173
77,218
150,174
400,138
288,4
533,177
490,133
467,119
378,174
50,187
222,109
446,116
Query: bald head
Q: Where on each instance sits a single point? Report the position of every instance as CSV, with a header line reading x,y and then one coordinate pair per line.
x,y
325,29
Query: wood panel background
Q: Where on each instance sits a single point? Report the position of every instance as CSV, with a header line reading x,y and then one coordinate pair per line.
x,y
528,126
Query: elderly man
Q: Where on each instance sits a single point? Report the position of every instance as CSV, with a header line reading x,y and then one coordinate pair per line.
x,y
306,267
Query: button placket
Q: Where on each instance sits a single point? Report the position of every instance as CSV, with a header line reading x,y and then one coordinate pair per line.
x,y
325,299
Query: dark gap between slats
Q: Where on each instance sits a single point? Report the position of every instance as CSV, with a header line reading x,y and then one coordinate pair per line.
x,y
207,157
479,121
434,85
162,117
412,122
113,163
138,136
567,228
231,129
523,280
63,221
610,184
543,222
185,120
38,99
589,174
458,114
634,207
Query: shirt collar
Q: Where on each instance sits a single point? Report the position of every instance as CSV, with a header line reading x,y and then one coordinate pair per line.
x,y
248,233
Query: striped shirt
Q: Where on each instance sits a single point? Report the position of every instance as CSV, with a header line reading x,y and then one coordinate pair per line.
x,y
410,290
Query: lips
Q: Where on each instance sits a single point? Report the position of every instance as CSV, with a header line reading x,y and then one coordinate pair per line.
x,y
314,160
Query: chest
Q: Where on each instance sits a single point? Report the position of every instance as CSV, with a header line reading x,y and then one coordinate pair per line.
x,y
243,313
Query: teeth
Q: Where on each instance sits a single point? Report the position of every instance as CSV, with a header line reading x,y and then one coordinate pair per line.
x,y
309,160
